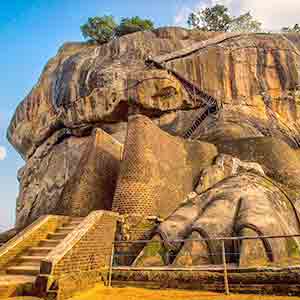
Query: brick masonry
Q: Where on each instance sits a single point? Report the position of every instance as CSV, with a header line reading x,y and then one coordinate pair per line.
x,y
94,185
158,170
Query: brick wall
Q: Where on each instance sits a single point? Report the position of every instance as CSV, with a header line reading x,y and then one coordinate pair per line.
x,y
94,185
158,170
29,237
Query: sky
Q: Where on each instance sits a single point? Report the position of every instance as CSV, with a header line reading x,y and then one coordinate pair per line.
x,y
31,31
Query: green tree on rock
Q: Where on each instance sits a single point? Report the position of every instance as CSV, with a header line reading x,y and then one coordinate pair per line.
x,y
104,29
245,23
99,29
134,24
218,18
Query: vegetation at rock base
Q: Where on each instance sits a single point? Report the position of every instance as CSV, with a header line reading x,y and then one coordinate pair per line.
x,y
105,28
295,28
218,18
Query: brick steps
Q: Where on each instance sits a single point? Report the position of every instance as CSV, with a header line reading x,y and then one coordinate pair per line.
x,y
65,230
74,222
28,263
57,236
25,267
49,243
14,285
40,250
30,260
24,270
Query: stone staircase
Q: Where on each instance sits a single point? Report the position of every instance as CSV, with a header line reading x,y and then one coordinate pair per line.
x,y
28,263
57,255
25,267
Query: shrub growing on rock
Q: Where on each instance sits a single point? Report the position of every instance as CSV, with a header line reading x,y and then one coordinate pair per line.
x,y
218,18
134,24
104,29
99,29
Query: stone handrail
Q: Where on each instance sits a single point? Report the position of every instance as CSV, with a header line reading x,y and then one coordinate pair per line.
x,y
29,237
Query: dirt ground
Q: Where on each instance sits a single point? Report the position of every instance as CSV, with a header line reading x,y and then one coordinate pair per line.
x,y
99,292
129,293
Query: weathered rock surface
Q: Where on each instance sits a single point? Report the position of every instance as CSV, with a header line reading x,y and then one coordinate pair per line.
x,y
87,84
236,95
73,177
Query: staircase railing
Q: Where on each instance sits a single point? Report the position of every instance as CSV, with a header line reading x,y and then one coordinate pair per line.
x,y
209,103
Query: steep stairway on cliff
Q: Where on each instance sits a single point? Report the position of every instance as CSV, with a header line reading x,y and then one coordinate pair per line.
x,y
208,102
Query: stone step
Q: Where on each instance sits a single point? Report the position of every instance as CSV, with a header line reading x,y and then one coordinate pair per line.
x,y
23,270
13,285
76,218
49,243
40,250
29,263
67,227
64,230
31,259
70,225
75,222
57,235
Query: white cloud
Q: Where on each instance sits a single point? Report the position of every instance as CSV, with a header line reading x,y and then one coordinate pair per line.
x,y
181,16
274,14
2,153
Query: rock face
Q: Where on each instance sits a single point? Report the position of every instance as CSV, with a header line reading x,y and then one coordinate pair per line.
x,y
87,84
234,96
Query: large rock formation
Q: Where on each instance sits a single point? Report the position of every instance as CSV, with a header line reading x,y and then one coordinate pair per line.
x,y
235,96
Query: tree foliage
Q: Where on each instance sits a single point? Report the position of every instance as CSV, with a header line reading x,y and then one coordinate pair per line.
x,y
295,28
245,23
99,29
103,29
218,18
134,24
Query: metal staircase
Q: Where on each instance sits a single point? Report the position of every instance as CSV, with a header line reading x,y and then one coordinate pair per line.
x,y
209,103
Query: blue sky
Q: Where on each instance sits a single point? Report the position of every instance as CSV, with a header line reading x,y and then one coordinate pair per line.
x,y
31,31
